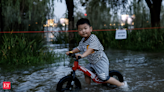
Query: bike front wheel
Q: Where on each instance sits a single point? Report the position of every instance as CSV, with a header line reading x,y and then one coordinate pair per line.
x,y
66,84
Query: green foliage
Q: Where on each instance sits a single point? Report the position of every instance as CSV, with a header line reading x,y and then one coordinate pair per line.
x,y
142,40
99,14
62,38
17,50
26,14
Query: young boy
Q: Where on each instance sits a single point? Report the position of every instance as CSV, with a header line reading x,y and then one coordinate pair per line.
x,y
93,50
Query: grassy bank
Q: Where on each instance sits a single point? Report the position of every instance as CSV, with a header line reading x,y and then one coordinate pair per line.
x,y
19,50
139,40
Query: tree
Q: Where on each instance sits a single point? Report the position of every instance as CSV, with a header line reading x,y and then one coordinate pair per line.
x,y
102,12
70,8
155,9
25,14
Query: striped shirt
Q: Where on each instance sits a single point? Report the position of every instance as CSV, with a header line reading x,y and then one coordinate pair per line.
x,y
94,43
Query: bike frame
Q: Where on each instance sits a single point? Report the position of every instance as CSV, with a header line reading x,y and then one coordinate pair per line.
x,y
87,72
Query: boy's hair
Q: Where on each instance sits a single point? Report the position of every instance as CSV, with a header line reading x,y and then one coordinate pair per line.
x,y
82,21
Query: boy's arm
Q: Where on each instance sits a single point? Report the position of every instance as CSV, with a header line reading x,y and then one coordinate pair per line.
x,y
88,52
76,50
73,51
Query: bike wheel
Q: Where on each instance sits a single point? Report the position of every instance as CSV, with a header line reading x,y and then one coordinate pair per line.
x,y
117,75
65,84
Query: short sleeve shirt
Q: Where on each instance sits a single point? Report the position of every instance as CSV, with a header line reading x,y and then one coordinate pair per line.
x,y
94,43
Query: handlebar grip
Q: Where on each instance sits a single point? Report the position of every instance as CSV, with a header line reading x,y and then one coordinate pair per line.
x,y
72,55
79,57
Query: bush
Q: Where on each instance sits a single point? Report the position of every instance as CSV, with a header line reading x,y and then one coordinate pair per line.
x,y
20,49
140,40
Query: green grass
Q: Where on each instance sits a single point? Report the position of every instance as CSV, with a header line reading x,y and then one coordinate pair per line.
x,y
18,51
138,40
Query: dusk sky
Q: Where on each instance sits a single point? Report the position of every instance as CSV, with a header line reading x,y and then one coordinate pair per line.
x,y
60,8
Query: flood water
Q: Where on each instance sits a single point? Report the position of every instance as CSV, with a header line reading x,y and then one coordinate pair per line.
x,y
143,71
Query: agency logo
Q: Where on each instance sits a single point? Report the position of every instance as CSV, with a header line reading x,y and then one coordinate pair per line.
x,y
6,85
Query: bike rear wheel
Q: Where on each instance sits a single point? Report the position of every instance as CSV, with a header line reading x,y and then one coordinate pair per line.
x,y
65,84
117,75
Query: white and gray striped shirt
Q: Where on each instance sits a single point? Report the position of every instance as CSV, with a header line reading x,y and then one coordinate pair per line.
x,y
94,43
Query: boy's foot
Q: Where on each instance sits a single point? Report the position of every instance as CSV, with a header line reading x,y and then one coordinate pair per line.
x,y
124,87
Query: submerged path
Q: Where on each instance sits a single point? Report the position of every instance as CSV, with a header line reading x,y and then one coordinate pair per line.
x,y
142,70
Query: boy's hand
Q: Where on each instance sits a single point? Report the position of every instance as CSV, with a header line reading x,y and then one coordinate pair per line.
x,y
79,55
67,52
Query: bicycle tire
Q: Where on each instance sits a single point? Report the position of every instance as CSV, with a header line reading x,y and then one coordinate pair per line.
x,y
68,79
116,73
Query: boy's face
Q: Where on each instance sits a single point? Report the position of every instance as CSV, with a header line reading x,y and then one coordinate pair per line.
x,y
84,30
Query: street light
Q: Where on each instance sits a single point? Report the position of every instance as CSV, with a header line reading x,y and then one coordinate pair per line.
x,y
50,22
64,22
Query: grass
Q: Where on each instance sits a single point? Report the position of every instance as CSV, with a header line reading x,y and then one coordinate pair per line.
x,y
19,51
137,40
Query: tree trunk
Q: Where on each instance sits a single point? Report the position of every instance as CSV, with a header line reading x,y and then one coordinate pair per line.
x,y
70,8
155,9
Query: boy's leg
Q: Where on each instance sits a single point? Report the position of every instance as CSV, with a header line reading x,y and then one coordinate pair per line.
x,y
102,69
113,81
87,79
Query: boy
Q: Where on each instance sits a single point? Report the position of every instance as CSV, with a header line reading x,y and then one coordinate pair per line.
x,y
93,50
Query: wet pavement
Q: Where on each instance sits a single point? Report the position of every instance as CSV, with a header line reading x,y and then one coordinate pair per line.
x,y
142,70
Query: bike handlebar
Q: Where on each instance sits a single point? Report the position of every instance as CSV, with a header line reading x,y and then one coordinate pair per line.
x,y
73,55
